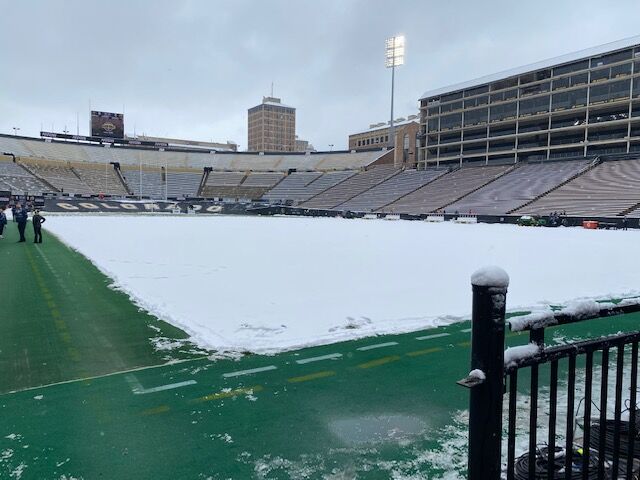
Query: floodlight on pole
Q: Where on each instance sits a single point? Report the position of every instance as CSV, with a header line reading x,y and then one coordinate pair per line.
x,y
394,57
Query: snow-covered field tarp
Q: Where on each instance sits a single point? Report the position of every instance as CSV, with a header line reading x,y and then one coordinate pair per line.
x,y
267,284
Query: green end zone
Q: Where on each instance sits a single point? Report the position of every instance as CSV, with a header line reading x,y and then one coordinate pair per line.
x,y
93,398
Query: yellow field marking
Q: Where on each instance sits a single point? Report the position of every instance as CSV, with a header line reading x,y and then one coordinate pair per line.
x,y
156,410
463,344
311,376
229,393
61,326
427,351
379,361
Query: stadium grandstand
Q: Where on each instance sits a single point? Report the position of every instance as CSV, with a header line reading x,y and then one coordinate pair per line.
x,y
603,186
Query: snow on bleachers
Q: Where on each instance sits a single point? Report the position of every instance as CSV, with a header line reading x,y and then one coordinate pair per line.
x,y
518,187
225,179
293,187
61,176
608,189
101,179
351,187
183,184
446,189
152,184
266,180
18,181
389,191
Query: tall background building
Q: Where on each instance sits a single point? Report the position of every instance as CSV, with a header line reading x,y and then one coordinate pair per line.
x,y
272,127
585,103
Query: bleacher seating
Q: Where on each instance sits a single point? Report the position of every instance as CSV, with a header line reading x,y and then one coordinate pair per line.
x,y
391,190
293,187
608,189
446,189
183,184
19,181
265,180
518,187
223,184
239,185
60,175
100,179
351,187
146,183
179,183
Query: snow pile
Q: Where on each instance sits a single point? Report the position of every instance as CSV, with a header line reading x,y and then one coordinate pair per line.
x,y
538,319
514,354
491,276
583,308
477,373
266,284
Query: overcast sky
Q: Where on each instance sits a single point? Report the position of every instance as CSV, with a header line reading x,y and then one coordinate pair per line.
x,y
190,69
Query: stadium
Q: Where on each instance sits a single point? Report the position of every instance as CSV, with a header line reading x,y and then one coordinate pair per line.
x,y
207,313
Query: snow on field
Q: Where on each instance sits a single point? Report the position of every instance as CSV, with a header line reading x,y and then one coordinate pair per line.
x,y
266,284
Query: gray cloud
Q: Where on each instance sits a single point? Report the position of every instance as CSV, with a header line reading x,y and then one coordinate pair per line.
x,y
192,68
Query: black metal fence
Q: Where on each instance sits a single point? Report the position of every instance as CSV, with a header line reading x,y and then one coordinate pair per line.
x,y
597,443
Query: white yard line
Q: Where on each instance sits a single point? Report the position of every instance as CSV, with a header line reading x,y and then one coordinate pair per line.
x,y
466,330
331,356
435,335
169,386
249,372
377,345
112,374
138,389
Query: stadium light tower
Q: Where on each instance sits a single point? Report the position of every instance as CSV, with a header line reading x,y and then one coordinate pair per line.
x,y
394,57
15,131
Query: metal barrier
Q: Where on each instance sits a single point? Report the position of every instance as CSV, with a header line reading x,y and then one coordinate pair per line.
x,y
607,447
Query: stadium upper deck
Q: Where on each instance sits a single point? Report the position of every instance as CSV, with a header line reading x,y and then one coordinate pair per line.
x,y
585,103
82,152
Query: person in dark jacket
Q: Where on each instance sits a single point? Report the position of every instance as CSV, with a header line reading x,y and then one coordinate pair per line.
x,y
3,221
37,221
21,217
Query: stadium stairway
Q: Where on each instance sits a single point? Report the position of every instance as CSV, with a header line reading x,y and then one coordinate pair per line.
x,y
352,187
447,189
203,181
591,165
391,190
491,180
122,180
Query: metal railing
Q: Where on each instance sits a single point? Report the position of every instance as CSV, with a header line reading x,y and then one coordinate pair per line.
x,y
607,447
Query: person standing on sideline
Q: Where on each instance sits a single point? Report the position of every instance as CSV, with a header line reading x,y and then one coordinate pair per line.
x,y
21,217
3,221
37,221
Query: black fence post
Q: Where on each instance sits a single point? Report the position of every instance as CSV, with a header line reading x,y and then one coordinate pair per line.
x,y
487,354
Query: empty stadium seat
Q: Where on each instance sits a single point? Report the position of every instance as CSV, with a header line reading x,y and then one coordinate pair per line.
x,y
351,187
608,189
447,189
18,181
518,187
390,190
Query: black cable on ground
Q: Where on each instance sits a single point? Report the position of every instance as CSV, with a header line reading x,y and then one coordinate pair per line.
x,y
559,465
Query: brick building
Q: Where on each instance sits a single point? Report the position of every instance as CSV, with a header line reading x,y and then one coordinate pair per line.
x,y
272,127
